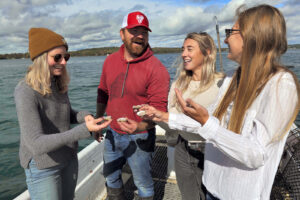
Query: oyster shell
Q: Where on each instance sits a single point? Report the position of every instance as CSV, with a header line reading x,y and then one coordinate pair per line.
x,y
107,118
141,113
122,119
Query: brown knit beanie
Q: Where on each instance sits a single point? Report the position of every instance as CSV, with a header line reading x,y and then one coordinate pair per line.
x,y
42,40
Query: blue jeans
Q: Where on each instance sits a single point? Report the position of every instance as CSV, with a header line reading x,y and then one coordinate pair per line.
x,y
137,150
54,183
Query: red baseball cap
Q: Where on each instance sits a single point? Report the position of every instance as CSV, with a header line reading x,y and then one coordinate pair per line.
x,y
135,19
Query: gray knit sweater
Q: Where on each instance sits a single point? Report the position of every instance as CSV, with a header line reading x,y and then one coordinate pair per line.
x,y
44,122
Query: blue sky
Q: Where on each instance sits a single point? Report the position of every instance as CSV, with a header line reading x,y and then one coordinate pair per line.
x,y
96,23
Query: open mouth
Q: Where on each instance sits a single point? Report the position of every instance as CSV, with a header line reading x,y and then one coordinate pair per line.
x,y
187,60
138,41
57,67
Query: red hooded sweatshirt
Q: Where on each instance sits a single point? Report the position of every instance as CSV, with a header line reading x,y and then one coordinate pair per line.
x,y
144,80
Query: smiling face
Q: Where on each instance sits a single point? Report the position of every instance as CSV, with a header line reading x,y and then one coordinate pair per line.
x,y
135,41
192,56
235,44
56,68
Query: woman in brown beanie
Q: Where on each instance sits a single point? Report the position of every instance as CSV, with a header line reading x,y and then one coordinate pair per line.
x,y
48,146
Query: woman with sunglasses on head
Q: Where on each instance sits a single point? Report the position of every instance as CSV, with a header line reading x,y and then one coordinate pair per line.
x,y
197,79
256,108
48,146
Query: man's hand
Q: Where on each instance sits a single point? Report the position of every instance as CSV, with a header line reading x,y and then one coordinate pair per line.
x,y
192,109
98,136
130,126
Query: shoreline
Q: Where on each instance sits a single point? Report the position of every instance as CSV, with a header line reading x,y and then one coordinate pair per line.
x,y
103,51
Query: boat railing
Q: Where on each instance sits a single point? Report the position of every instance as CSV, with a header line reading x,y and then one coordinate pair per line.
x,y
90,183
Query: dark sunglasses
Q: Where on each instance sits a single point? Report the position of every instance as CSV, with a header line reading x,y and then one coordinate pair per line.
x,y
57,58
228,32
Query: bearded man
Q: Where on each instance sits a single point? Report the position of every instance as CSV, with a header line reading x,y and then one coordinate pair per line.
x,y
131,76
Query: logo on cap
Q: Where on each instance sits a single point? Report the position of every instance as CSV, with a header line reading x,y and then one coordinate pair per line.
x,y
134,19
140,18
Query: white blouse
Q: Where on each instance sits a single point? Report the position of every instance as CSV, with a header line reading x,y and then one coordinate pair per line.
x,y
243,166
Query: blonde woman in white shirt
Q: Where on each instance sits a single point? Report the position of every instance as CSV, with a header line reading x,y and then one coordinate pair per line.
x,y
255,110
198,80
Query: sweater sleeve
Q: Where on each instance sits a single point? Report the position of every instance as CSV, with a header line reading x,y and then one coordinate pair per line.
x,y
31,128
170,134
102,92
158,87
261,126
77,117
171,97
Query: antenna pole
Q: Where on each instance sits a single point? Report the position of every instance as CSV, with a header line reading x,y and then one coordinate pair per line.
x,y
219,46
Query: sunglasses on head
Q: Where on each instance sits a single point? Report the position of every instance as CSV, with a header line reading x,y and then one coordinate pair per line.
x,y
228,32
57,57
202,33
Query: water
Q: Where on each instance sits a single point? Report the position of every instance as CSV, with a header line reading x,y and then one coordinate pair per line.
x,y
85,75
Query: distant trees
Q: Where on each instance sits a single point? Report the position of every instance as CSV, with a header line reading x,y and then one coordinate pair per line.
x,y
14,56
109,50
95,51
91,52
103,51
295,46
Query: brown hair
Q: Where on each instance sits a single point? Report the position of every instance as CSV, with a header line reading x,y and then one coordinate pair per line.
x,y
263,31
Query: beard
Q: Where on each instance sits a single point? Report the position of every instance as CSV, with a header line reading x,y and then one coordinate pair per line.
x,y
136,46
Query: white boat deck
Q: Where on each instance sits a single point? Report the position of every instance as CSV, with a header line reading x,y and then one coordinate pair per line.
x,y
164,188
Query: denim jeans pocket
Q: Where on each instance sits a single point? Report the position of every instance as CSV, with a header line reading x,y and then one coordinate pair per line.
x,y
35,173
145,141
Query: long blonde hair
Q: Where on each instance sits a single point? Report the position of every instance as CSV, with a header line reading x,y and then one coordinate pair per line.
x,y
208,72
263,31
38,76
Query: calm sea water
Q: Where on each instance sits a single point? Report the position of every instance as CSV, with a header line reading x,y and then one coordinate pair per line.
x,y
85,75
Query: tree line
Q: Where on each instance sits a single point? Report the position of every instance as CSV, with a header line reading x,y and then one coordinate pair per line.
x,y
103,51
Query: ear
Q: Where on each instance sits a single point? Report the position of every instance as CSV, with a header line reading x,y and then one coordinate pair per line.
x,y
208,51
122,32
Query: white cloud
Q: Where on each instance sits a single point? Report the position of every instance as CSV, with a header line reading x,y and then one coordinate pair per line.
x,y
96,23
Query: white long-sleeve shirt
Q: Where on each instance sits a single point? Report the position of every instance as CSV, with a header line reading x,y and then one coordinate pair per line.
x,y
243,166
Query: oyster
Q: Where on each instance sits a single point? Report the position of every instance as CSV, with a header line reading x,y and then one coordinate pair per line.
x,y
106,118
136,107
122,119
141,113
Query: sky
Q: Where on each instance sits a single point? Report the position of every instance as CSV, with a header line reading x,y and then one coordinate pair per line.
x,y
96,23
